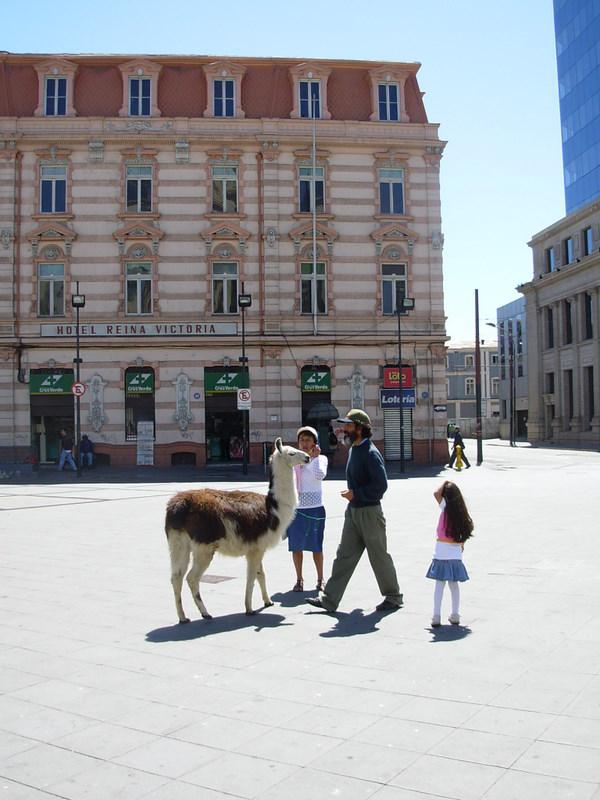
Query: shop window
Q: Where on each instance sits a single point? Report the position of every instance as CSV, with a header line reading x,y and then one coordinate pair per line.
x,y
313,288
225,287
51,290
393,286
139,288
139,399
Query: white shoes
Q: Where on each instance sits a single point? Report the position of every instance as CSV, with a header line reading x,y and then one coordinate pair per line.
x,y
454,619
436,622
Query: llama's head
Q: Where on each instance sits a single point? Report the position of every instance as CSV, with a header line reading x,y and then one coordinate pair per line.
x,y
288,455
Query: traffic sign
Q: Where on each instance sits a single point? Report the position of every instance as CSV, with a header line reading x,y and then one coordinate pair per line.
x,y
78,389
244,399
440,408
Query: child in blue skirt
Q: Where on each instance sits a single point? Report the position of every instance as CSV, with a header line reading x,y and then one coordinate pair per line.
x,y
454,527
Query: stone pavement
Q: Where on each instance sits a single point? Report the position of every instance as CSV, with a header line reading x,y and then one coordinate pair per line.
x,y
103,695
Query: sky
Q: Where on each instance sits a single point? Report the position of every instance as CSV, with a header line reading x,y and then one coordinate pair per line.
x,y
488,72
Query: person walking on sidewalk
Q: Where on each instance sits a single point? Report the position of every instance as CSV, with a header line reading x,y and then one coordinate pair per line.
x,y
66,451
458,440
454,527
364,523
307,528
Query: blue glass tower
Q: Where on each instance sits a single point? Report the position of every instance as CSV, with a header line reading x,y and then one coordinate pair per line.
x,y
577,30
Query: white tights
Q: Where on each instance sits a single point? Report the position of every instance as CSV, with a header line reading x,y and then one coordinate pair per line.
x,y
438,593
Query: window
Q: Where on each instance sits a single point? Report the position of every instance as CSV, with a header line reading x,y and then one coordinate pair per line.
x,y
393,286
225,287
391,191
587,241
550,259
310,99
550,382
51,290
310,177
53,190
495,386
550,328
568,323
224,190
224,97
587,316
519,337
388,102
469,361
139,399
55,102
139,189
469,386
494,359
140,91
312,286
568,250
568,391
139,288
502,344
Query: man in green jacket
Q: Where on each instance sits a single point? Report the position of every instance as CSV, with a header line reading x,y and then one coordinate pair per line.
x,y
364,523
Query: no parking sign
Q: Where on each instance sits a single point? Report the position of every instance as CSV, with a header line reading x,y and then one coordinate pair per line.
x,y
78,389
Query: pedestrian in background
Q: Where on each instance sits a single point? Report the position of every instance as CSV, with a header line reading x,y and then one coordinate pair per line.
x,y
307,528
458,440
66,451
364,523
454,527
86,451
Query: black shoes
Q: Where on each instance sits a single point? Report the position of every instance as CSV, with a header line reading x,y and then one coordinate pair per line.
x,y
316,603
387,606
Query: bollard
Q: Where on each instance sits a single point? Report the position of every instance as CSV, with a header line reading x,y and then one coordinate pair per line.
x,y
459,461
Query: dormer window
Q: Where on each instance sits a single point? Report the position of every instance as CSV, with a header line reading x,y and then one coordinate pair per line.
x,y
388,101
140,93
55,102
389,108
309,81
224,97
310,99
55,88
224,85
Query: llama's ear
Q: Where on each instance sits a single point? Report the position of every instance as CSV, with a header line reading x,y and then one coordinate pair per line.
x,y
278,445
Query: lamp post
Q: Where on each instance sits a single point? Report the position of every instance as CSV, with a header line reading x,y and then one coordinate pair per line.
x,y
511,386
244,302
77,302
403,306
478,383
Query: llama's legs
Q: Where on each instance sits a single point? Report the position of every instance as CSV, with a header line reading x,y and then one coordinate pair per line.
x,y
253,567
179,548
202,555
263,586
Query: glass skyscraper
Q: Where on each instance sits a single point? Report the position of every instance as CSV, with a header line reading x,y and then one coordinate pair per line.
x,y
577,30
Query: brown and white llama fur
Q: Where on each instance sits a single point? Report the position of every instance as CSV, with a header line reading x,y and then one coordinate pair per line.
x,y
203,522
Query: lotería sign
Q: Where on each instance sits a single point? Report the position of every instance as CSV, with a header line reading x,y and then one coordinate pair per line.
x,y
130,329
390,398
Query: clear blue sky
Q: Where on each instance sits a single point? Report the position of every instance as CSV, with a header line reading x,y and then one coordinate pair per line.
x,y
488,73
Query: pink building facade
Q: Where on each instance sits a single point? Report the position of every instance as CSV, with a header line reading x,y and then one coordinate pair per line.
x,y
165,187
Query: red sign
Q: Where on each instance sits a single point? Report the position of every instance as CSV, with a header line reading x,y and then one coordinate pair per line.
x,y
390,378
78,389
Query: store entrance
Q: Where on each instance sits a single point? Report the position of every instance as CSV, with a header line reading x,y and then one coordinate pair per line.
x,y
52,409
46,436
224,436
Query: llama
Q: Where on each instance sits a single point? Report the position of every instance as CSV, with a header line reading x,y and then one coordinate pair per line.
x,y
235,523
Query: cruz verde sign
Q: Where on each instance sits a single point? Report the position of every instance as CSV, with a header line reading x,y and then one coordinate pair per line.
x,y
131,329
55,383
226,381
139,382
316,380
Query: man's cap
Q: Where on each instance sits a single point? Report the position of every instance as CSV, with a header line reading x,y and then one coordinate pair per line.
x,y
307,429
357,416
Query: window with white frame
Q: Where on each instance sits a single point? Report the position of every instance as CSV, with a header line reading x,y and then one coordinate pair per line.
x,y
225,287
140,93
53,189
388,102
311,183
393,286
495,386
225,190
469,386
494,359
51,290
469,361
139,288
568,251
313,287
587,241
55,100
139,189
310,99
391,191
224,97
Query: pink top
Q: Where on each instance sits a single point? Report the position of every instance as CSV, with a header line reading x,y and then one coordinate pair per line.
x,y
441,526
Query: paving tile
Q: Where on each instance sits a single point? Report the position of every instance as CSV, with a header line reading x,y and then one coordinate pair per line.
x,y
439,712
45,724
220,732
313,783
561,761
156,717
240,775
169,757
406,734
178,790
395,793
17,791
481,748
108,780
330,722
43,765
459,780
104,740
11,744
266,710
289,747
365,761
573,730
515,785
509,721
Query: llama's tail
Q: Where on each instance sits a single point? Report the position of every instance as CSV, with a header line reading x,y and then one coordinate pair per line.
x,y
177,511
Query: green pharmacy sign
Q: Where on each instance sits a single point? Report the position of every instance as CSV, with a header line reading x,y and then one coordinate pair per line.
x,y
226,381
139,383
55,383
316,380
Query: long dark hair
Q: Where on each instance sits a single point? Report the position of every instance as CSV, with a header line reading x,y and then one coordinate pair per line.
x,y
459,525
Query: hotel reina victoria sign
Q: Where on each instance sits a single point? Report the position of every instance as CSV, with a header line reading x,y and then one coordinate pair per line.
x,y
389,395
131,329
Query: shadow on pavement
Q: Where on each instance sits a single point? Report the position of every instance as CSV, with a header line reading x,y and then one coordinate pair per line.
x,y
292,599
199,628
356,623
449,633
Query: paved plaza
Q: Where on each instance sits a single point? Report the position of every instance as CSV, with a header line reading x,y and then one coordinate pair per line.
x,y
103,695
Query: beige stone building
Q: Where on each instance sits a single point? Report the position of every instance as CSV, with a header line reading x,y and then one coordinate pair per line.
x,y
562,304
162,188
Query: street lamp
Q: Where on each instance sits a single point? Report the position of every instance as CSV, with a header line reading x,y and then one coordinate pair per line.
x,y
244,302
512,400
478,432
77,302
403,306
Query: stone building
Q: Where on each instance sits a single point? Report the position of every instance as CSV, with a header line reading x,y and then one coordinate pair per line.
x,y
161,188
461,379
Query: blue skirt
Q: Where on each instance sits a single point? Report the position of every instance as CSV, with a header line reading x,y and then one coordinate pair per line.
x,y
447,570
306,530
